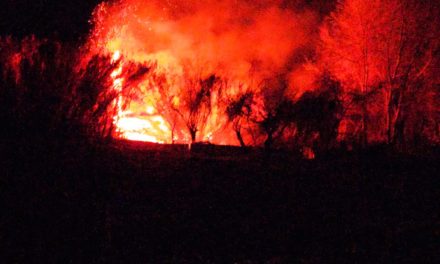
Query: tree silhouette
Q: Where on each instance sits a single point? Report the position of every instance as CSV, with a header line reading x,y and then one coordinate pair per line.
x,y
194,106
272,111
379,50
239,110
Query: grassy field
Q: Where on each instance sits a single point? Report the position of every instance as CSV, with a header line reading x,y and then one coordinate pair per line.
x,y
132,202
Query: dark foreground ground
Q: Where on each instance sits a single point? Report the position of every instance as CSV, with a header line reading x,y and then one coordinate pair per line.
x,y
134,203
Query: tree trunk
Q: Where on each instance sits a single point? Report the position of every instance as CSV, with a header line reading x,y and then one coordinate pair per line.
x,y
393,113
399,131
172,135
193,133
269,141
364,132
240,138
390,129
388,110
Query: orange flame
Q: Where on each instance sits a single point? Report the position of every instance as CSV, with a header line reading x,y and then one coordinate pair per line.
x,y
236,41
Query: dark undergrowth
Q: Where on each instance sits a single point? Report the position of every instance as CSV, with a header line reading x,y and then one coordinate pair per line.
x,y
128,202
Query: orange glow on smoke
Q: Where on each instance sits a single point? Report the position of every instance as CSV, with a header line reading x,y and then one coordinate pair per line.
x,y
186,41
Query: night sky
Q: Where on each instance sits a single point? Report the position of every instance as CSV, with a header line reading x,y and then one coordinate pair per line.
x,y
67,20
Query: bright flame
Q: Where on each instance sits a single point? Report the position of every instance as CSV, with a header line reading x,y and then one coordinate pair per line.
x,y
188,41
116,56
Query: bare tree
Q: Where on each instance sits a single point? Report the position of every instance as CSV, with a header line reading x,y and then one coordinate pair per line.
x,y
381,47
60,91
317,115
166,99
97,100
194,106
238,103
272,110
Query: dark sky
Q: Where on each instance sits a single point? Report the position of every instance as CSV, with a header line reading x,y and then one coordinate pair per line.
x,y
68,20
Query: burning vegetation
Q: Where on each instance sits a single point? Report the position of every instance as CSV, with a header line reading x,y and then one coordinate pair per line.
x,y
354,89
203,57
239,73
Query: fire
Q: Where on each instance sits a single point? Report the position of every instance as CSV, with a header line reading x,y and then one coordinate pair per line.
x,y
116,56
198,53
141,121
139,129
133,123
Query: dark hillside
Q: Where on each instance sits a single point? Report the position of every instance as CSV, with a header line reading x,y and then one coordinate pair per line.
x,y
133,202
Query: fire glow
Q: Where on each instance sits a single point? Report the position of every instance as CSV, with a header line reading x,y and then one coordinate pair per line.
x,y
222,71
141,125
187,42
